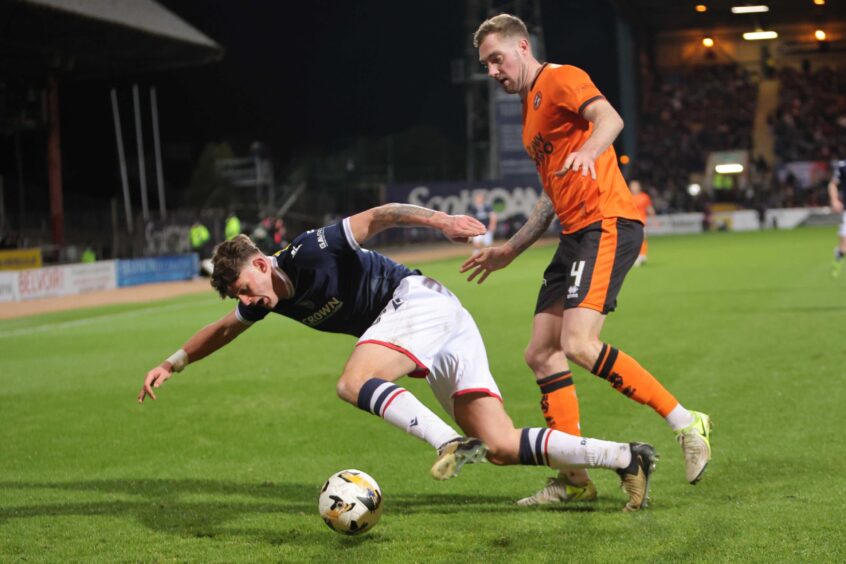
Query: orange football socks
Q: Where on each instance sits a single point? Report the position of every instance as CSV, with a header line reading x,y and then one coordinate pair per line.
x,y
559,403
632,380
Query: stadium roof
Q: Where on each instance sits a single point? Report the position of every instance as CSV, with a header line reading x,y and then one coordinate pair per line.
x,y
674,15
97,37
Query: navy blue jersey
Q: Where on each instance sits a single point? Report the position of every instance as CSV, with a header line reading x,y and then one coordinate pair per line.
x,y
482,213
338,286
838,169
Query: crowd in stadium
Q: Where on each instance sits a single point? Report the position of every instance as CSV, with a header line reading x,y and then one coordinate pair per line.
x,y
685,115
810,121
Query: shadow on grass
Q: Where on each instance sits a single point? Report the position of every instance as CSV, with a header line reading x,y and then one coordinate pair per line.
x,y
202,508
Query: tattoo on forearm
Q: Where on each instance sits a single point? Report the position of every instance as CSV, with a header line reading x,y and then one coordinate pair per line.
x,y
401,214
534,227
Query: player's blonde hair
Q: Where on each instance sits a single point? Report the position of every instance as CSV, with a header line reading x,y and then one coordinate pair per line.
x,y
229,259
504,24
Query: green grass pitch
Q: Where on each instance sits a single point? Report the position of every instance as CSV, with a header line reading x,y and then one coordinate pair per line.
x,y
226,465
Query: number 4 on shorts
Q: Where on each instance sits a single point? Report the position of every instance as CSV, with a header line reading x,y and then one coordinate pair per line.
x,y
576,272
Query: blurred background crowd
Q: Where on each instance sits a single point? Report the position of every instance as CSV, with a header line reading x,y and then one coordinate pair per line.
x,y
126,125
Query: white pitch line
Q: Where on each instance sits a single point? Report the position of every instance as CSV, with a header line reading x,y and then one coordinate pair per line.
x,y
57,326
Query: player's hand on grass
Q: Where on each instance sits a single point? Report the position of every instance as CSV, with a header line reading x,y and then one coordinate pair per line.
x,y
155,378
579,161
459,228
488,260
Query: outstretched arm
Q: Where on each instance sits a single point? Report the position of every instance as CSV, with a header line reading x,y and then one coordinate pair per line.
x,y
375,220
200,345
495,258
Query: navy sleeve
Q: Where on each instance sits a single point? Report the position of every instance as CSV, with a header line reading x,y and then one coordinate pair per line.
x,y
250,314
337,238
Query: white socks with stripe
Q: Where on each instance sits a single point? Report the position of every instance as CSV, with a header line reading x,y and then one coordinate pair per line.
x,y
401,409
563,451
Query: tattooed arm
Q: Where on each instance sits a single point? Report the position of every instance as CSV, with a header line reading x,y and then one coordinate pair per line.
x,y
375,220
495,258
535,226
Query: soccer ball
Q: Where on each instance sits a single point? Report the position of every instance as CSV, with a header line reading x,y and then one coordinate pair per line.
x,y
350,502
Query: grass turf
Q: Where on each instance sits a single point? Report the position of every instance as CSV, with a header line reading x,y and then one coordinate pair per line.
x,y
226,465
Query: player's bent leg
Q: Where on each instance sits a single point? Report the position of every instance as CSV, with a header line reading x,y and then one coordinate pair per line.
x,y
368,383
371,361
559,404
627,376
580,332
483,416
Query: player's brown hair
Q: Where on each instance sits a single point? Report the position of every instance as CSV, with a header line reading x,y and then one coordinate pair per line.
x,y
229,259
504,24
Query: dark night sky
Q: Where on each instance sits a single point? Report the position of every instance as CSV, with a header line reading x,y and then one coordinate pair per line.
x,y
305,76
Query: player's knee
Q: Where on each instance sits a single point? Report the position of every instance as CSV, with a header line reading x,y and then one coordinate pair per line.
x,y
579,350
348,388
537,357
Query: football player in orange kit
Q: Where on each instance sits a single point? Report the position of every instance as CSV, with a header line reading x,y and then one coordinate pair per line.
x,y
643,203
568,129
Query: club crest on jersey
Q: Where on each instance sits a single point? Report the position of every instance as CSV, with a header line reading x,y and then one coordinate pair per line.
x,y
537,101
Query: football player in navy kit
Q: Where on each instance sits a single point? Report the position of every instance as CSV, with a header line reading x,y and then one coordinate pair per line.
x,y
837,196
406,324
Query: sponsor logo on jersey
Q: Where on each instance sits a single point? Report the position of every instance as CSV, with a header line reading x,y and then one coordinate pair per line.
x,y
295,250
321,238
573,292
539,149
326,311
537,101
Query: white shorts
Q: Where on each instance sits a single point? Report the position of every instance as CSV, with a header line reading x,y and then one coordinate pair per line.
x,y
485,240
428,324
842,231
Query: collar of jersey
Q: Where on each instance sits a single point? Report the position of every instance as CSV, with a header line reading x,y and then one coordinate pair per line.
x,y
537,76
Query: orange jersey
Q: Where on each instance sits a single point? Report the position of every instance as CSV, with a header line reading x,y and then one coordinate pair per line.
x,y
553,127
642,202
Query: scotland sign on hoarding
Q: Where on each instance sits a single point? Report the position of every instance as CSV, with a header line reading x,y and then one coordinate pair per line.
x,y
510,198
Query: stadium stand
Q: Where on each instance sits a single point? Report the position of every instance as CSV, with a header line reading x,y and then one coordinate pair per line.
x,y
810,120
686,114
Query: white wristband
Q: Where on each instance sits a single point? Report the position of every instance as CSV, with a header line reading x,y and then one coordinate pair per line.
x,y
178,360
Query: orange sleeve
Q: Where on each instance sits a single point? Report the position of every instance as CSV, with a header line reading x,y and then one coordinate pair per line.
x,y
574,89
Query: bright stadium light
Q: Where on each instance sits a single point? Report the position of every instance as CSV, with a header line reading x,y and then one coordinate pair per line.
x,y
819,2
750,9
694,189
757,35
707,42
820,35
730,168
701,8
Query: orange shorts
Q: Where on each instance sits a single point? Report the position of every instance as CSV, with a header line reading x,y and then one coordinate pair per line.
x,y
590,264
